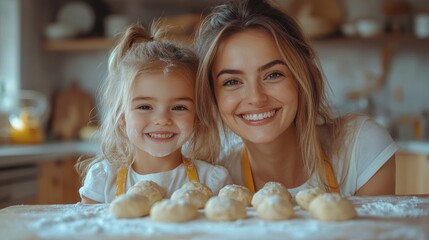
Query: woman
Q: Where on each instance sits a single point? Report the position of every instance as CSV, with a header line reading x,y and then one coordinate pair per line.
x,y
264,84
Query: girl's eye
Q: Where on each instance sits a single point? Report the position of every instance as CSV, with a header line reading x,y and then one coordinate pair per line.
x,y
273,75
144,107
230,82
180,108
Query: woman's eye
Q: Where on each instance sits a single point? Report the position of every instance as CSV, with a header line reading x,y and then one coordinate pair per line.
x,y
180,108
230,82
144,107
274,75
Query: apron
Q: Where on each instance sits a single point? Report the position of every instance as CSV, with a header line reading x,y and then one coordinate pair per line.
x,y
248,178
121,178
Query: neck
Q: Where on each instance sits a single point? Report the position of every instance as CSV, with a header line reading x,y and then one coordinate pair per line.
x,y
278,161
145,163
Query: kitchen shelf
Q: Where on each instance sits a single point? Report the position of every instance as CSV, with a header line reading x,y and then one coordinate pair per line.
x,y
90,44
379,38
84,44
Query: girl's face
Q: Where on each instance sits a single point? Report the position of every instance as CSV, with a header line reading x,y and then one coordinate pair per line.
x,y
161,116
256,93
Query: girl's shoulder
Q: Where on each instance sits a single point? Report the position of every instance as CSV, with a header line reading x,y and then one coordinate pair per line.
x,y
102,168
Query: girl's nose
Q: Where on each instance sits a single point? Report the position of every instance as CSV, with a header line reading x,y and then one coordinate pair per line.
x,y
163,118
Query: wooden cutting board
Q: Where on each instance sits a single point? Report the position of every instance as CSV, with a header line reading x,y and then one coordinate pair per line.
x,y
73,109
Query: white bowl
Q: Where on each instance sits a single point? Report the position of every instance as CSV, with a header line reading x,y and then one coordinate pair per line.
x,y
369,27
56,31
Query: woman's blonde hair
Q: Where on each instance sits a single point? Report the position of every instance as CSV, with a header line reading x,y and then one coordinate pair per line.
x,y
313,110
138,52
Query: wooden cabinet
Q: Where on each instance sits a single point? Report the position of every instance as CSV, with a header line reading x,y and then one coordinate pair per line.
x,y
412,173
58,182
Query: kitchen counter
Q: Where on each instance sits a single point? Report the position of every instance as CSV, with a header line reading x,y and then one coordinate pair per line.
x,y
417,147
386,217
23,154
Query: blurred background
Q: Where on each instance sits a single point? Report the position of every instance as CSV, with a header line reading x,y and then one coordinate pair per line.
x,y
53,57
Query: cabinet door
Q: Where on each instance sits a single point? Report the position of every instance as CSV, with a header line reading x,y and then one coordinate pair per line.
x,y
58,182
412,173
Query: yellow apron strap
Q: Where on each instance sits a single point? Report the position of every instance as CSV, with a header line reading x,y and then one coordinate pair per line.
x,y
332,181
247,171
191,170
121,180
248,178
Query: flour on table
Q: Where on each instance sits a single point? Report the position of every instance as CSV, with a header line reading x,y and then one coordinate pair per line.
x,y
383,208
80,221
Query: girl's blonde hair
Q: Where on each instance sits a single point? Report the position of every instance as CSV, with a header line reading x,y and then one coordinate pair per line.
x,y
313,119
138,52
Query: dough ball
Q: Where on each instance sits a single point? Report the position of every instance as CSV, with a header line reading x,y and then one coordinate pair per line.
x,y
150,183
269,189
304,197
200,187
332,207
151,192
276,185
130,206
225,209
193,196
237,192
169,210
275,207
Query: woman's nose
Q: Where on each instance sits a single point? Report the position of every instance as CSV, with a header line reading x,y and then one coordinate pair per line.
x,y
256,95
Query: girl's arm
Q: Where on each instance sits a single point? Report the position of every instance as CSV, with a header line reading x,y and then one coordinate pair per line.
x,y
86,200
383,181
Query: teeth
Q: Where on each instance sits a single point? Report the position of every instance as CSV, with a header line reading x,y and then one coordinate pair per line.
x,y
259,116
164,135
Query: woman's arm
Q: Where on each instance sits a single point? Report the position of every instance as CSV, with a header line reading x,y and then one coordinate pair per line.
x,y
86,200
382,183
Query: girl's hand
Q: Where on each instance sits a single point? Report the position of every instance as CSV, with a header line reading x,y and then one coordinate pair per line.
x,y
86,200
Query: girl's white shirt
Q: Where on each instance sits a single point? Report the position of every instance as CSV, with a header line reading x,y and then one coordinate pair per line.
x,y
100,182
366,148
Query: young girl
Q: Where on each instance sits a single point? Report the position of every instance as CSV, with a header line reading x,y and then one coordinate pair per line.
x,y
149,104
260,76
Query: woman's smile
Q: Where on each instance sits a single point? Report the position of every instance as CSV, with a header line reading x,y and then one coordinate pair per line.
x,y
258,118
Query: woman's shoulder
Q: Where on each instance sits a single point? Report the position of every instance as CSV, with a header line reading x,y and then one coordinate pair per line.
x,y
365,127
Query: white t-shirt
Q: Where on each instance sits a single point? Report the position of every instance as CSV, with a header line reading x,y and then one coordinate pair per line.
x,y
99,184
367,147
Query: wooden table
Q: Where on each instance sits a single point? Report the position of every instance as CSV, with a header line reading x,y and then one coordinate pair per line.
x,y
387,217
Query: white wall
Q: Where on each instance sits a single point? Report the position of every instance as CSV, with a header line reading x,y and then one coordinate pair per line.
x,y
10,44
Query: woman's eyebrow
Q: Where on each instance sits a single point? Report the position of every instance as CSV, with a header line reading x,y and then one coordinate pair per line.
x,y
229,71
262,68
271,64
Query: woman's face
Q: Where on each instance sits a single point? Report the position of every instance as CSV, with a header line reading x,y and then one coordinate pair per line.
x,y
161,116
256,93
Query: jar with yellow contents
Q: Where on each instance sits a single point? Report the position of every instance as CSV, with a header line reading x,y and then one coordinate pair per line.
x,y
27,118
